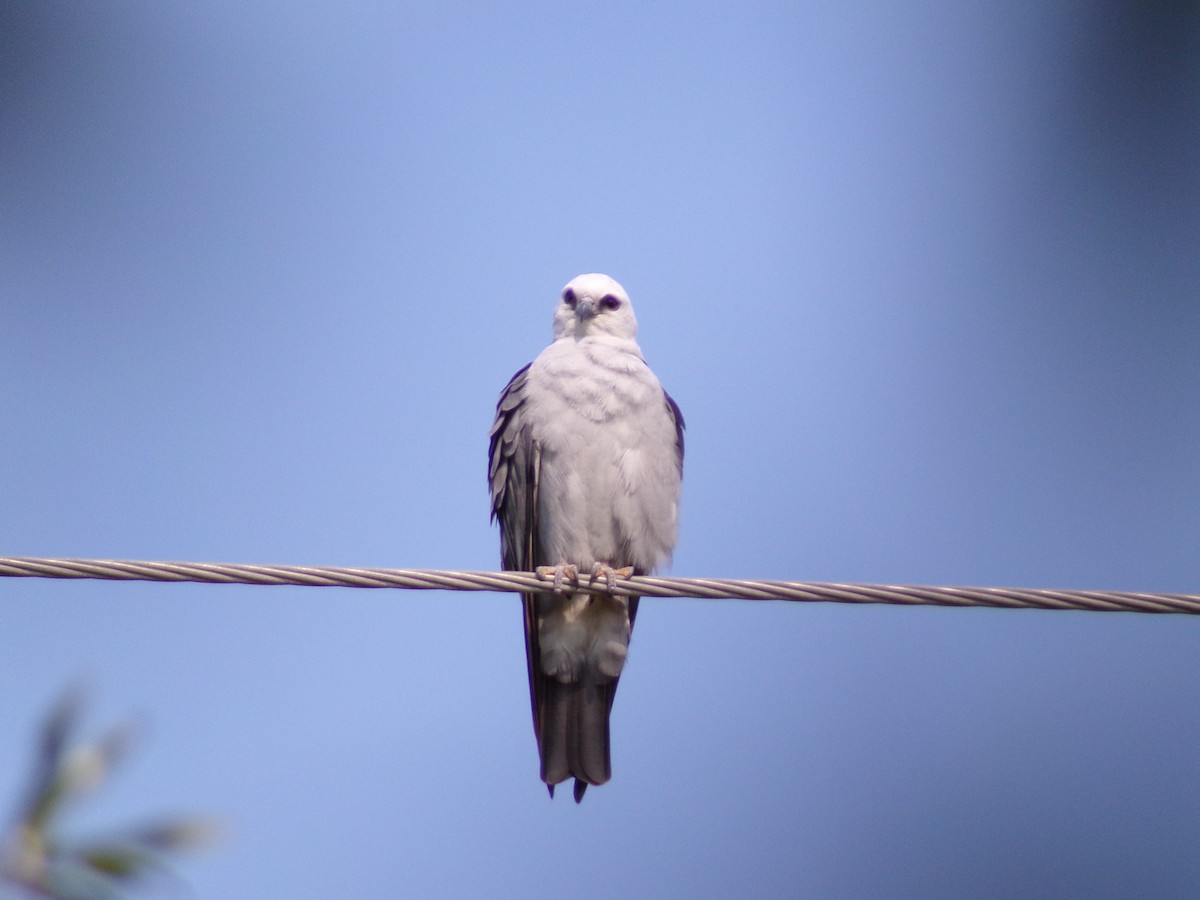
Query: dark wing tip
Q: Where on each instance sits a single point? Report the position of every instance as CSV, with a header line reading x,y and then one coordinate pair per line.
x,y
677,416
580,787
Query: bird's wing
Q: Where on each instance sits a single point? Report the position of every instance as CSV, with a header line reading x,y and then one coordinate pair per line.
x,y
514,466
509,474
677,418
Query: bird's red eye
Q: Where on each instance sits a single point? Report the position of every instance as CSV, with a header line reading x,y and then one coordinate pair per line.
x,y
608,301
569,298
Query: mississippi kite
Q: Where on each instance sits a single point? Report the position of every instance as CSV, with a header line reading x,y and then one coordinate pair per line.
x,y
586,459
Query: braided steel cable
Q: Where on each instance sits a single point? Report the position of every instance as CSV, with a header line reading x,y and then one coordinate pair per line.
x,y
645,586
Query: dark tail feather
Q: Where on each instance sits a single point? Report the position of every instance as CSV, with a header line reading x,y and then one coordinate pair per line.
x,y
574,733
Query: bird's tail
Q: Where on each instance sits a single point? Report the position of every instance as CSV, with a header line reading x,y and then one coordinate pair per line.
x,y
574,733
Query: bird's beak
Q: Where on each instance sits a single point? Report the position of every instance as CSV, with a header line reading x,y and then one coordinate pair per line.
x,y
586,309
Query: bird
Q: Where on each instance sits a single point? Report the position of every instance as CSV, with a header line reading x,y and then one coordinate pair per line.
x,y
585,471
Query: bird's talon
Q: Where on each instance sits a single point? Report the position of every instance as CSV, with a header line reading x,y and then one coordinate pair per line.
x,y
559,575
600,570
610,575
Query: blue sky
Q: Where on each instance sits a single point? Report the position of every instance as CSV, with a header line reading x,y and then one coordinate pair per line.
x,y
923,279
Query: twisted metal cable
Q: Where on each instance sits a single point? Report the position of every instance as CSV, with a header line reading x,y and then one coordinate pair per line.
x,y
645,586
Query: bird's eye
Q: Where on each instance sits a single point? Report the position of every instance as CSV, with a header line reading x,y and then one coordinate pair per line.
x,y
569,298
608,301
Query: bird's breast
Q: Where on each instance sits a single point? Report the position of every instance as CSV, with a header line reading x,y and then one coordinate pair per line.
x,y
594,384
609,482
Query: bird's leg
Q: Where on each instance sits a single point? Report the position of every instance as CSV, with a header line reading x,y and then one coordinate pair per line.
x,y
610,574
559,574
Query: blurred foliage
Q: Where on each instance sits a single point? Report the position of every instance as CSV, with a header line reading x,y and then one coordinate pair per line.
x,y
37,860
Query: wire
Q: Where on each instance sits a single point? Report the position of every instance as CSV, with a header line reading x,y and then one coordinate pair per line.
x,y
645,586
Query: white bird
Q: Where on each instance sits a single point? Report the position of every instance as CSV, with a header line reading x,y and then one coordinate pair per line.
x,y
586,460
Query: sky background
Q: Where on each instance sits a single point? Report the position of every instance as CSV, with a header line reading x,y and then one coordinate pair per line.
x,y
924,279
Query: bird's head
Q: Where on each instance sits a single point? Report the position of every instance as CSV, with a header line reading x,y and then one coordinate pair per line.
x,y
594,305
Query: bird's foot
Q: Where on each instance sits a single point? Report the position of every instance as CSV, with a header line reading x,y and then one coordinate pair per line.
x,y
559,574
610,575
